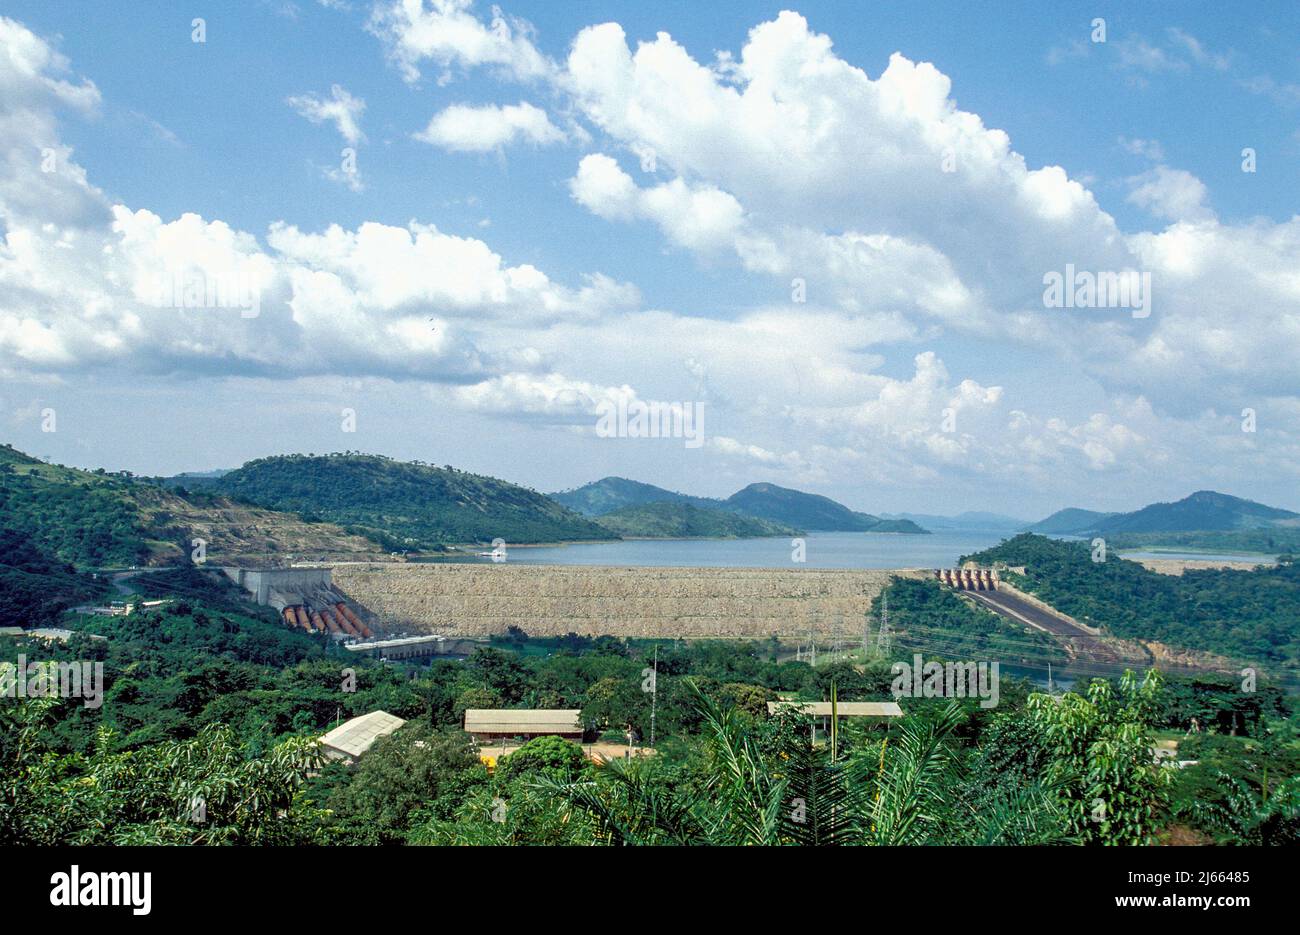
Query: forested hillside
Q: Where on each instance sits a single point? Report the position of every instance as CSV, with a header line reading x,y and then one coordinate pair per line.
x,y
1205,520
683,521
811,511
1205,510
614,493
406,504
94,519
84,518
1248,615
35,586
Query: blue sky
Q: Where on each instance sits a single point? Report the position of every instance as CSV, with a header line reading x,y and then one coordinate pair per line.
x,y
921,299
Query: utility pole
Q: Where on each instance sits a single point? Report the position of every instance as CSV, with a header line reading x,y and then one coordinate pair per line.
x,y
654,694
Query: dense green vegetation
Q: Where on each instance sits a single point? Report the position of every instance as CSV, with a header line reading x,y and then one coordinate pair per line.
x,y
87,519
683,521
936,620
1245,789
210,700
35,586
406,504
1268,540
1252,616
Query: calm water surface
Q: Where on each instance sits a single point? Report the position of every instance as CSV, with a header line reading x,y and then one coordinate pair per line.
x,y
822,550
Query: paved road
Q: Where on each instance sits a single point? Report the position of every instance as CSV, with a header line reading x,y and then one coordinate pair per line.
x,y
1082,644
1023,612
120,578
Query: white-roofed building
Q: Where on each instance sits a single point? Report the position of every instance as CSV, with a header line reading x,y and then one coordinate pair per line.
x,y
352,738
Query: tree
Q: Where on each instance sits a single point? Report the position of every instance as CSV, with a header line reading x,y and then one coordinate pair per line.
x,y
549,756
475,698
207,790
617,703
1102,767
768,784
416,770
1247,815
751,699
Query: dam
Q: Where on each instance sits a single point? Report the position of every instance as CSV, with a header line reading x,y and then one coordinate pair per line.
x,y
478,600
306,598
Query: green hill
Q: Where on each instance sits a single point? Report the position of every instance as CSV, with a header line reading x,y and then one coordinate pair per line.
x,y
35,586
406,504
87,519
1071,521
684,521
614,493
811,511
93,519
1205,510
790,509
1203,520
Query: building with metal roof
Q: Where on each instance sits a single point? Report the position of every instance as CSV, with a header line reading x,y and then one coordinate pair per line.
x,y
843,708
488,724
352,738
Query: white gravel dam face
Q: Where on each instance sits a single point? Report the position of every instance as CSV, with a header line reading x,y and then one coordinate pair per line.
x,y
552,600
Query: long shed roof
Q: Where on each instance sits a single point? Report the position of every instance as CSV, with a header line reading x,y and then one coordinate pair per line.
x,y
845,708
523,720
356,736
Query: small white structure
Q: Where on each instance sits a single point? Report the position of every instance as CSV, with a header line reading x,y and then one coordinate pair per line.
x,y
352,738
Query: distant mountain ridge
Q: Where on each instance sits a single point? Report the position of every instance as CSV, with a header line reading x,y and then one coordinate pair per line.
x,y
1071,521
1202,511
667,519
970,519
791,508
812,511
